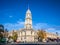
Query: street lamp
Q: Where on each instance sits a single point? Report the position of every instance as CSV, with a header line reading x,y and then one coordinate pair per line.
x,y
57,34
25,36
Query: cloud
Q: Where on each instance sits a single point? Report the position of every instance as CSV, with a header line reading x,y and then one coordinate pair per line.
x,y
47,27
41,26
14,26
53,30
10,16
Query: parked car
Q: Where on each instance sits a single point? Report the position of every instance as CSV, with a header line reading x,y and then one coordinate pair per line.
x,y
3,40
10,41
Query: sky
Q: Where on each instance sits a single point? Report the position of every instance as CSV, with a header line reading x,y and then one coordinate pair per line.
x,y
45,14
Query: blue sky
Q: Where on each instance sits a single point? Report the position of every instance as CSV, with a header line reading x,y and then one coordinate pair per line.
x,y
45,14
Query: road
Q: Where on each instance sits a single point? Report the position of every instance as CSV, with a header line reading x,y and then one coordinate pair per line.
x,y
40,43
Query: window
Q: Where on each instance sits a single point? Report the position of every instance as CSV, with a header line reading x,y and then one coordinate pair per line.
x,y
31,32
21,38
24,37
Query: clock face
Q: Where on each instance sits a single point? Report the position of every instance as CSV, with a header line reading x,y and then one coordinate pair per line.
x,y
28,15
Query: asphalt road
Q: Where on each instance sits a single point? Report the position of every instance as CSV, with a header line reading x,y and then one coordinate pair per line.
x,y
40,43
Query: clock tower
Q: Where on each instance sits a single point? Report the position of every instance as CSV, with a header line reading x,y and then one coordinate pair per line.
x,y
28,19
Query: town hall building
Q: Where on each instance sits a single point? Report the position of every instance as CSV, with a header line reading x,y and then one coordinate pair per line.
x,y
27,34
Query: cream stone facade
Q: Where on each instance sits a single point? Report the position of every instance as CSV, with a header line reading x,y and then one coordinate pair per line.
x,y
27,34
52,35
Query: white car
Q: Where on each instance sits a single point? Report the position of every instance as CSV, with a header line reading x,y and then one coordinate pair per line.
x,y
11,41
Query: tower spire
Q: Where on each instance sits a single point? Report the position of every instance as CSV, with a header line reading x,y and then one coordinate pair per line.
x,y
28,6
28,19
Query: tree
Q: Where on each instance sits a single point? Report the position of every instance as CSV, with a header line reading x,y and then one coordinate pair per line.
x,y
1,32
14,36
1,28
41,35
10,37
6,33
1,35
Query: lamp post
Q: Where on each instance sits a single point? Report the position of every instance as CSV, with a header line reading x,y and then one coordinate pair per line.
x,y
57,36
25,36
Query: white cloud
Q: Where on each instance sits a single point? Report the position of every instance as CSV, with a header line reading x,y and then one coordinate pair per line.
x,y
10,16
16,26
48,28
41,26
53,30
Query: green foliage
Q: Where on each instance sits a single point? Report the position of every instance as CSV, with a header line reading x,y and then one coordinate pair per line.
x,y
1,28
1,31
1,35
10,37
14,37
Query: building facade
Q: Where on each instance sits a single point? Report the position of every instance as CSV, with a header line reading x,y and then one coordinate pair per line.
x,y
27,34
